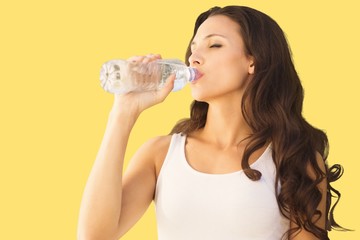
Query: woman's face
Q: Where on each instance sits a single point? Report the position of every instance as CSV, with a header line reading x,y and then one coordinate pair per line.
x,y
218,53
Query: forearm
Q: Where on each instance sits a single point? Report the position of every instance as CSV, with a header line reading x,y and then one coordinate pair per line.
x,y
101,203
102,199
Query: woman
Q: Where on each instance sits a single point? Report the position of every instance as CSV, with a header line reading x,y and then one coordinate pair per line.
x,y
246,165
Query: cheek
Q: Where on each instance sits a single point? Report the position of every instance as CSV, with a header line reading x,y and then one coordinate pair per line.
x,y
233,75
223,76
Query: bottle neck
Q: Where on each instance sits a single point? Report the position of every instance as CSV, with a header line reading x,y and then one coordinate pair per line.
x,y
193,74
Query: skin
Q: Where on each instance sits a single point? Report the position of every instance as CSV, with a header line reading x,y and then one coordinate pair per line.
x,y
112,202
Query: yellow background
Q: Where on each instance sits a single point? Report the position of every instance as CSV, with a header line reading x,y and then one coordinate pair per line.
x,y
53,110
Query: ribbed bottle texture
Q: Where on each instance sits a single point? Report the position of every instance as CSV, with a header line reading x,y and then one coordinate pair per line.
x,y
121,76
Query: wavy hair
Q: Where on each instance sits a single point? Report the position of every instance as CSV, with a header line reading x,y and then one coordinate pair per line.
x,y
272,107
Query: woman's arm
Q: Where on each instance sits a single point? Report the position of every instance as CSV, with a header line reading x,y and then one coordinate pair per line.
x,y
101,204
104,199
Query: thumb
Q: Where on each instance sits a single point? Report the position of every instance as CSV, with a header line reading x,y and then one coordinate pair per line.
x,y
168,87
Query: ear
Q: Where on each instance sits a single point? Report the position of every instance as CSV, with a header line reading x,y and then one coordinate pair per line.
x,y
251,69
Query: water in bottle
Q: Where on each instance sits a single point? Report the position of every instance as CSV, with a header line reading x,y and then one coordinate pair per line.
x,y
121,76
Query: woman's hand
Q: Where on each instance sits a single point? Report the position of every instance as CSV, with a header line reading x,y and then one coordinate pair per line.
x,y
136,102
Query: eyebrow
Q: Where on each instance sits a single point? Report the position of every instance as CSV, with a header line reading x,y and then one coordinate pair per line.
x,y
209,36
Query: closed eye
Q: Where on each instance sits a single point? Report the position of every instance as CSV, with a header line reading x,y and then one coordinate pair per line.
x,y
216,46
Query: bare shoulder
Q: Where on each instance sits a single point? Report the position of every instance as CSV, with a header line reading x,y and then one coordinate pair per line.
x,y
157,144
139,181
156,149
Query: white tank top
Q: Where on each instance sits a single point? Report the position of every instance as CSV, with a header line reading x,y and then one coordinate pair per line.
x,y
191,205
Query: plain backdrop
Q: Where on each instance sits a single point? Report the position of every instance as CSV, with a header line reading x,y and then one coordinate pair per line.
x,y
54,112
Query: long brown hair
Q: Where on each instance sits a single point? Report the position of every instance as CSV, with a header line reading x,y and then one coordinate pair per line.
x,y
272,107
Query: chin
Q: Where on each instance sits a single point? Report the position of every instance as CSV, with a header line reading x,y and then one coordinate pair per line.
x,y
198,95
201,96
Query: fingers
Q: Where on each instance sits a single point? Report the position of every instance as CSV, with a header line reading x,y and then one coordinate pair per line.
x,y
144,75
151,57
143,79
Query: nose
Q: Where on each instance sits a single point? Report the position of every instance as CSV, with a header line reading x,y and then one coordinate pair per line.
x,y
195,59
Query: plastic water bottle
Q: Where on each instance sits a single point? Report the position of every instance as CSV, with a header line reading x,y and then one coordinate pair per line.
x,y
121,76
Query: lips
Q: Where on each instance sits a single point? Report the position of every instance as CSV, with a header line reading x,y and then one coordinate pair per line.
x,y
198,74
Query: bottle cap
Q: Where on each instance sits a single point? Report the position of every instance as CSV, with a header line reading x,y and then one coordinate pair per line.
x,y
194,74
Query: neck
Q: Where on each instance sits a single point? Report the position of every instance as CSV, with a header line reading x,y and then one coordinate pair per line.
x,y
225,125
